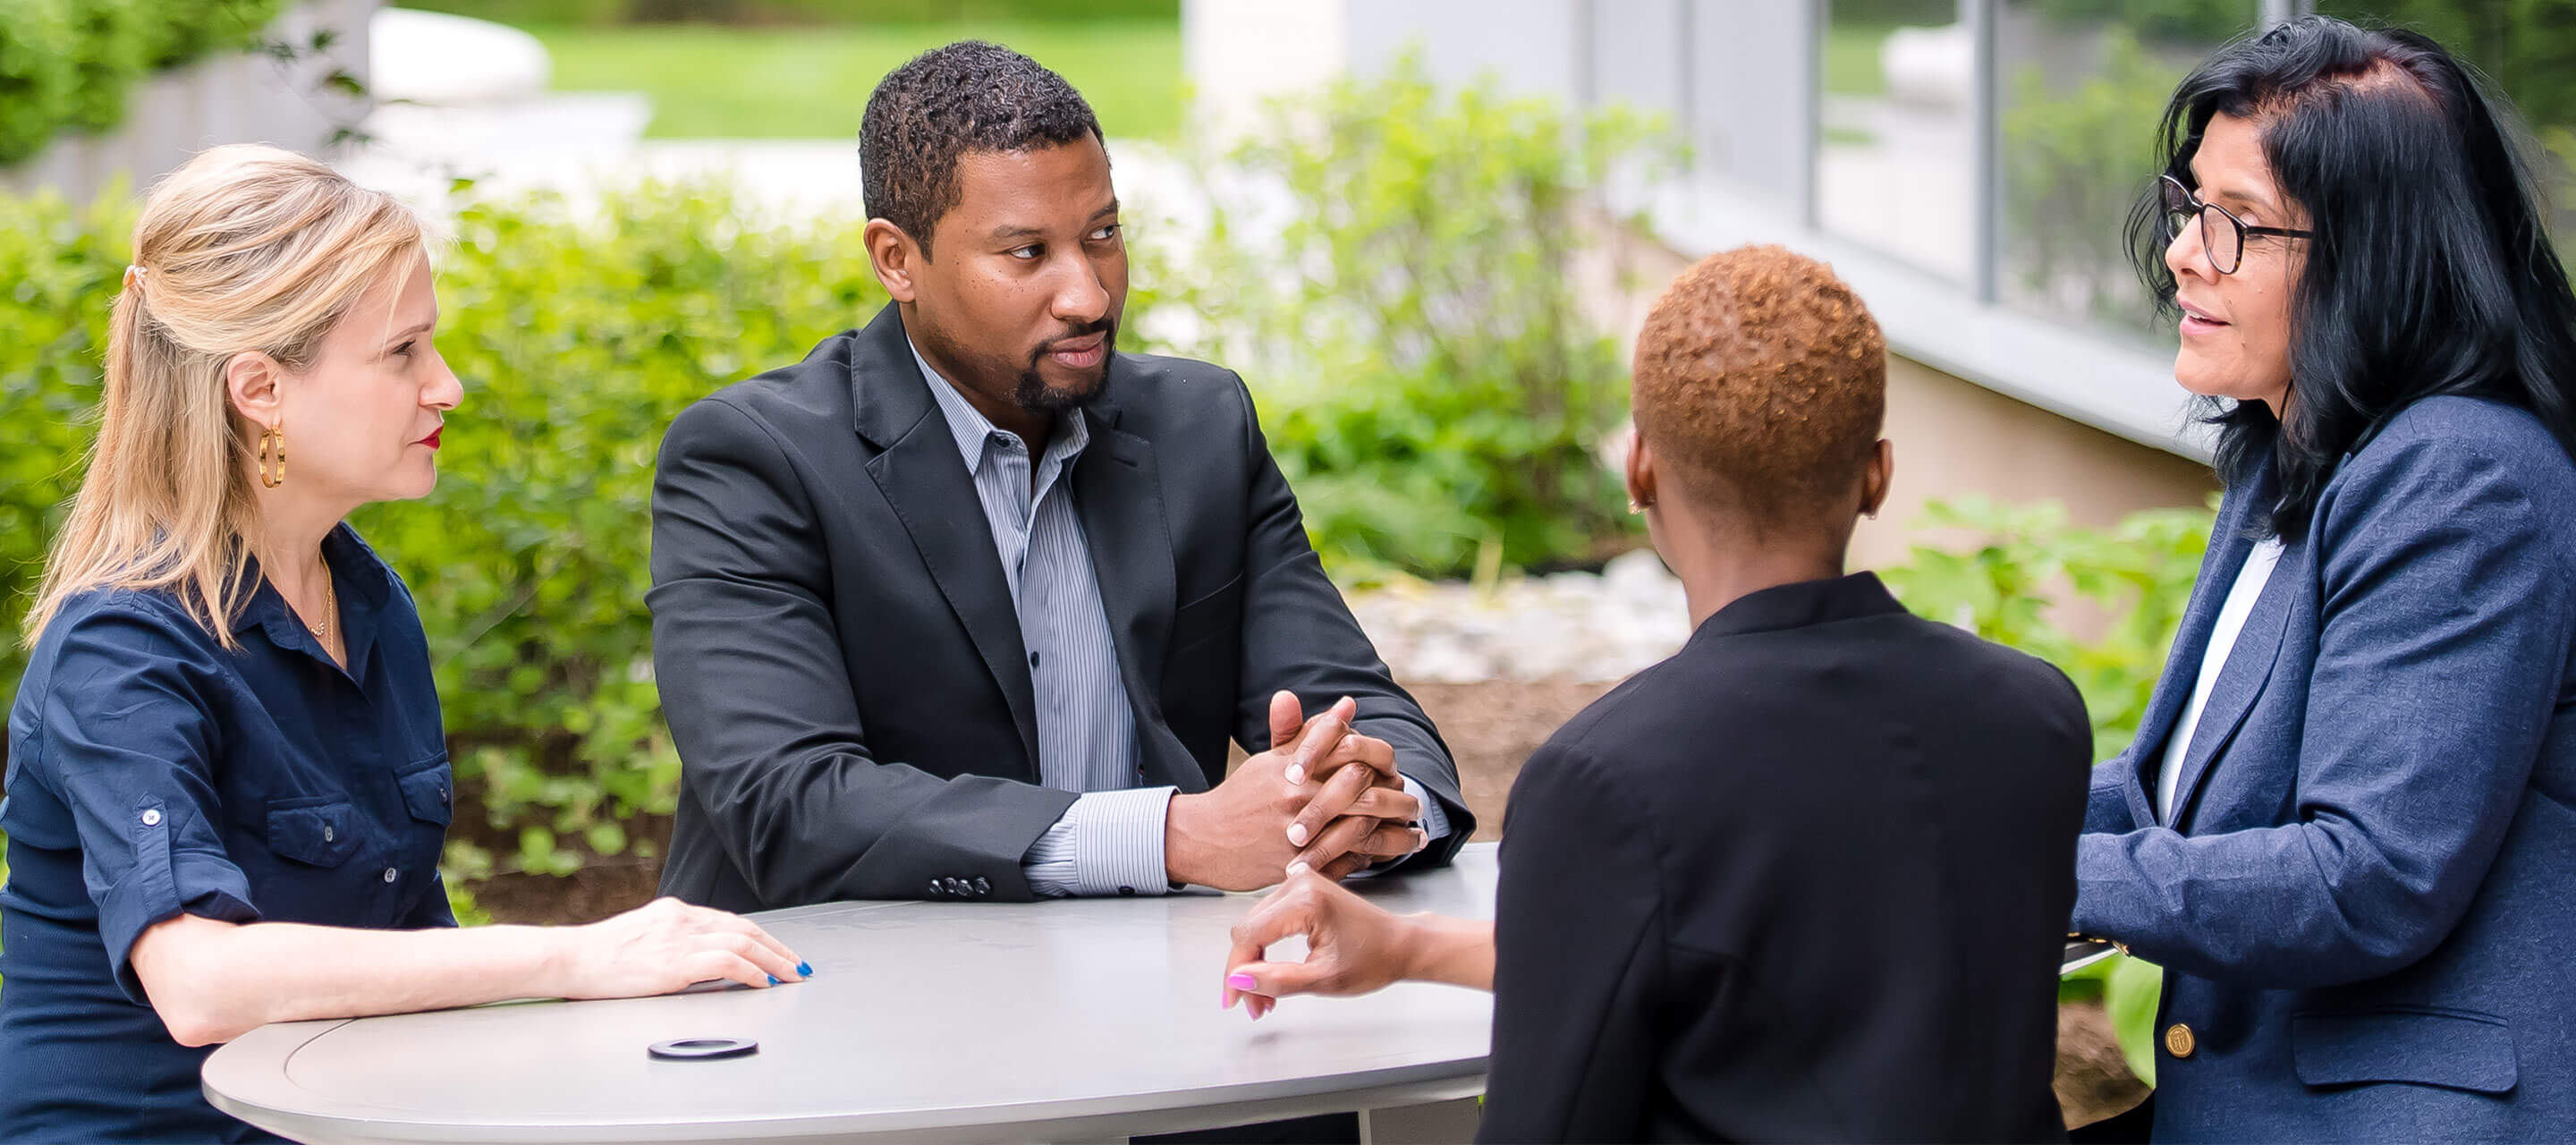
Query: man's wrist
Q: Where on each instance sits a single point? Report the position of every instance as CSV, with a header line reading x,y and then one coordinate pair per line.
x,y
1180,852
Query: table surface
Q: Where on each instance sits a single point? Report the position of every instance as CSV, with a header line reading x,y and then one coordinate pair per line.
x,y
1094,1017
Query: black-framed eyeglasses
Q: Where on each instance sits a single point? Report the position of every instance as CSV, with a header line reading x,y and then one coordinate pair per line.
x,y
2225,244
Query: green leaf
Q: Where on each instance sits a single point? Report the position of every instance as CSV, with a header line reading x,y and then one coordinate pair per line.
x,y
2131,990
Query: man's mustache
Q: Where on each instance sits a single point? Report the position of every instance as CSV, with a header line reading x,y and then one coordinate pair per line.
x,y
1108,326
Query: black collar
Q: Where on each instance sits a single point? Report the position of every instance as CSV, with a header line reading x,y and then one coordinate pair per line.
x,y
1800,605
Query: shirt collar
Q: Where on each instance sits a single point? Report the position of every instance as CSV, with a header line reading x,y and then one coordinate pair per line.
x,y
1804,603
973,431
359,576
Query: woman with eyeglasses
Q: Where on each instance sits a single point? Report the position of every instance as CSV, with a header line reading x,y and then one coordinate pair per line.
x,y
2347,827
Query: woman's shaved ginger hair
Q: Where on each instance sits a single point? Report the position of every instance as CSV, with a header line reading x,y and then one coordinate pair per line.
x,y
1761,383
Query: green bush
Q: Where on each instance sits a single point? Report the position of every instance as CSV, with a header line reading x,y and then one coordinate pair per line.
x,y
2075,161
1432,382
544,13
66,65
579,343
2191,21
2136,577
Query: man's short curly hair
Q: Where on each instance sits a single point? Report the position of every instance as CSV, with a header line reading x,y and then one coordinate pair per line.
x,y
967,96
1761,382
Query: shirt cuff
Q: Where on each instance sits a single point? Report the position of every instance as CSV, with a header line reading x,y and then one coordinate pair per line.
x,y
1107,843
1435,825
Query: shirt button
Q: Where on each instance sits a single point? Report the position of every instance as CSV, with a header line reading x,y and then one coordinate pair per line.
x,y
2178,1040
389,874
1126,890
152,817
1033,659
327,833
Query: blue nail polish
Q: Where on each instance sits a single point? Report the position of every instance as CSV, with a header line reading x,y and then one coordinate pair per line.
x,y
804,969
773,980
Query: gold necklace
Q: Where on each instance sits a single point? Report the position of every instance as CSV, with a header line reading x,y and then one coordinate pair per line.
x,y
330,608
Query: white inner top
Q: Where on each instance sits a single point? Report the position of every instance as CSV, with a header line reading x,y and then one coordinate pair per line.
x,y
2222,641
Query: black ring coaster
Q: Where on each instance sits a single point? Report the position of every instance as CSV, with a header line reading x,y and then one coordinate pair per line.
x,y
702,1049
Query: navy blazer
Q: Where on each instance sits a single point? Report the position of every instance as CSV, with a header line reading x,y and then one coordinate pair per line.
x,y
2365,900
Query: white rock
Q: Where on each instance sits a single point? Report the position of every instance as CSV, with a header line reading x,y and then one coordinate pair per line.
x,y
1932,67
439,59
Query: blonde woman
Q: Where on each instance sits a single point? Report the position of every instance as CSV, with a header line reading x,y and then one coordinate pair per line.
x,y
227,785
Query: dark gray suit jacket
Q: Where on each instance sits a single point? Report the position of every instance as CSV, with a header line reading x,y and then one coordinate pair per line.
x,y
840,659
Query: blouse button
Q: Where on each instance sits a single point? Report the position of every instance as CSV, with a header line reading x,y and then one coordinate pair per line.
x,y
152,817
389,874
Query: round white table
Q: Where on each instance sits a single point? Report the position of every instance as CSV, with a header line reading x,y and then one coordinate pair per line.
x,y
1082,1020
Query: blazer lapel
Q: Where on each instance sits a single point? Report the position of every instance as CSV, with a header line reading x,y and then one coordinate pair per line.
x,y
1118,494
921,475
2240,682
2228,547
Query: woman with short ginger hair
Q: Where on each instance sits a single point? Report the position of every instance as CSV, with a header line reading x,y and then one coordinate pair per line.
x,y
1807,879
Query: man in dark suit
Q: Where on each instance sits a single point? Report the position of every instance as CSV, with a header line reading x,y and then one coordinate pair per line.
x,y
968,604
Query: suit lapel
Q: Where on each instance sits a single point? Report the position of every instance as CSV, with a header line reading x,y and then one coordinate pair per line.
x,y
2228,546
921,475
1118,494
2241,680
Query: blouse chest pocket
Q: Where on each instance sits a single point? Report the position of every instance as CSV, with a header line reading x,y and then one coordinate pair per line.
x,y
429,792
314,834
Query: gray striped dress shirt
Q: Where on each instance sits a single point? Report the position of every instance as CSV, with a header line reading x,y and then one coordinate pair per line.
x,y
1110,842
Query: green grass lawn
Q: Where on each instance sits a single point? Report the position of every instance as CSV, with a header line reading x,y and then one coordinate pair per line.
x,y
804,83
1851,58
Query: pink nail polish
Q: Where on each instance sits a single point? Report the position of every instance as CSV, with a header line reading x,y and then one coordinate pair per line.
x,y
1242,981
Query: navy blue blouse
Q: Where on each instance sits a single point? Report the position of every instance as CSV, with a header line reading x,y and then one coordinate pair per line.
x,y
152,773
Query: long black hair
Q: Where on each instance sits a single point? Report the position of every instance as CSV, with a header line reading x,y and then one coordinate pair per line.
x,y
2431,270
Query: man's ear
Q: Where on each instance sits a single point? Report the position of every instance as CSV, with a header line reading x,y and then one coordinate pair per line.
x,y
252,380
1641,474
1877,478
895,257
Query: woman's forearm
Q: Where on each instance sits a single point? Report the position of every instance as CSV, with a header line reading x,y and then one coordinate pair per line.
x,y
1456,951
214,981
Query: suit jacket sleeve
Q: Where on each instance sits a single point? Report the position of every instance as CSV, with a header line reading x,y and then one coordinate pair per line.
x,y
2106,802
2444,612
1298,635
1578,959
761,703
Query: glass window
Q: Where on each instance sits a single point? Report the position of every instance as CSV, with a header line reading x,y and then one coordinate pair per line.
x,y
2081,85
1896,163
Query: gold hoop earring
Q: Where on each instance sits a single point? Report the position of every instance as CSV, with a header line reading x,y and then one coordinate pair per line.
x,y
272,449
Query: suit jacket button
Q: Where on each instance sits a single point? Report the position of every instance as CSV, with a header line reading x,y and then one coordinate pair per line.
x,y
982,887
2178,1040
937,890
